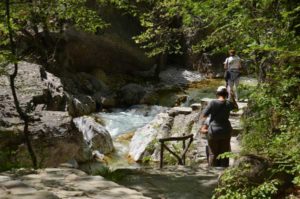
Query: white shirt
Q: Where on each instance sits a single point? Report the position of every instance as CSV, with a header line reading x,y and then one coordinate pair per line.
x,y
233,62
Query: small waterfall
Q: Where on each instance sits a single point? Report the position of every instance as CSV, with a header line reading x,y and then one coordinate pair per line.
x,y
187,102
121,121
95,135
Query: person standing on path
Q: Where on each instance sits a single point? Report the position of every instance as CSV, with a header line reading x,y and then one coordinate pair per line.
x,y
219,127
232,66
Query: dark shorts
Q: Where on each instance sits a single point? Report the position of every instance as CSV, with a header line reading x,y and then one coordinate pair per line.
x,y
219,132
226,75
234,74
215,148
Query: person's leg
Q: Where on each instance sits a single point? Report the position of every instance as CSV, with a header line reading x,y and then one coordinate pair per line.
x,y
236,84
207,153
230,87
224,147
226,77
213,148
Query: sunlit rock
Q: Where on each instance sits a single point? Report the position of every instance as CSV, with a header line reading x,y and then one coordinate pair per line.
x,y
145,135
53,135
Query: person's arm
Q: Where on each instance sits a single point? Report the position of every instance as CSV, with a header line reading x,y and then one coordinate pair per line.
x,y
204,129
206,112
226,64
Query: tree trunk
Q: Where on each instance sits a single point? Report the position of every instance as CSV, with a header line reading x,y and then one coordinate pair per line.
x,y
161,62
12,77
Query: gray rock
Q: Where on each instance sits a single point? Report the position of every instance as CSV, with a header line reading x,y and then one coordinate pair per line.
x,y
180,110
81,105
144,136
109,52
252,167
151,97
196,106
55,140
32,89
54,136
105,100
131,94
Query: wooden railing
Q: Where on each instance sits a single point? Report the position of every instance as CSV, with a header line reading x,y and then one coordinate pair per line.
x,y
181,157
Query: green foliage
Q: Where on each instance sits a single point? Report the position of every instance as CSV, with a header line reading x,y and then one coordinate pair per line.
x,y
5,160
150,150
245,91
234,184
163,23
266,32
227,155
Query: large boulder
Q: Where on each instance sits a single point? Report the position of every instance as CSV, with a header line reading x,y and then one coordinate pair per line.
x,y
142,144
175,122
253,167
109,52
82,93
54,136
34,86
55,140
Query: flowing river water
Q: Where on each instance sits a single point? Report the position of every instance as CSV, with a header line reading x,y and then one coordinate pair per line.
x,y
121,123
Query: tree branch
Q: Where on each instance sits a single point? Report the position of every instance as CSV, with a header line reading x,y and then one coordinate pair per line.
x,y
12,77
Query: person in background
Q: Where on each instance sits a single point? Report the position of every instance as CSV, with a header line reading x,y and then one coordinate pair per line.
x,y
232,66
219,127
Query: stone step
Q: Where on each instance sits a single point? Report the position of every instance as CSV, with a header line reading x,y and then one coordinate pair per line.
x,y
241,105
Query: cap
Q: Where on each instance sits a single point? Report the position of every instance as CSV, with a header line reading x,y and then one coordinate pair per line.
x,y
221,88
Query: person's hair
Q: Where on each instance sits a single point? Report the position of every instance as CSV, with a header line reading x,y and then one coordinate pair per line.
x,y
232,52
222,92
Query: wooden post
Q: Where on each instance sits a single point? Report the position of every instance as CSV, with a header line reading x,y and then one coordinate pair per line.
x,y
182,156
161,154
183,146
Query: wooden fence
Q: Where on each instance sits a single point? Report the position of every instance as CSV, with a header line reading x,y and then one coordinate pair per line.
x,y
181,157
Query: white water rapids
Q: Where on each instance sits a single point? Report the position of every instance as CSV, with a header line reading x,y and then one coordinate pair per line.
x,y
121,121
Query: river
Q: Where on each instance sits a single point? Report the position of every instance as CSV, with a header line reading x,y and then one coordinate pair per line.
x,y
123,122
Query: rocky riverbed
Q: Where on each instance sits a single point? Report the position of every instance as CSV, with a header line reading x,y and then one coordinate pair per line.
x,y
61,134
